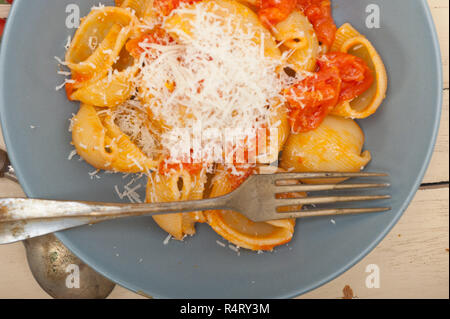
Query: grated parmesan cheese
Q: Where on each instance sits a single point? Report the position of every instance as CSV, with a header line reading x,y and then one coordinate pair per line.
x,y
72,154
166,241
220,243
217,79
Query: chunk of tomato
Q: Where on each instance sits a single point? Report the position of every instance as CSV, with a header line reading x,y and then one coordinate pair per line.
x,y
313,98
271,12
191,168
355,74
339,77
240,173
319,14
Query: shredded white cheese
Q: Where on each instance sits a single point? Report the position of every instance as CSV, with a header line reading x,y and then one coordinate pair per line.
x,y
218,79
166,241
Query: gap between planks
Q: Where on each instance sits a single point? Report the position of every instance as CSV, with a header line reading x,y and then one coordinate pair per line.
x,y
438,185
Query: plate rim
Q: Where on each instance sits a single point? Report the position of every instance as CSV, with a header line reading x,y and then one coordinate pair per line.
x,y
294,293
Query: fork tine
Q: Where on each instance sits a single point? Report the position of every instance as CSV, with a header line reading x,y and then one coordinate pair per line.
x,y
282,202
325,187
332,212
284,176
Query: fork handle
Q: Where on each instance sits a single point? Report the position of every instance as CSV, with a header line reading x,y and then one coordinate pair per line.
x,y
20,209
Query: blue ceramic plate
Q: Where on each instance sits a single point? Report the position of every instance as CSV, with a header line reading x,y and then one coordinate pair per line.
x,y
131,252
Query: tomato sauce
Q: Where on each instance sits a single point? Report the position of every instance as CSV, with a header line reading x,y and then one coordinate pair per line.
x,y
191,168
244,171
271,12
318,12
313,98
355,74
339,77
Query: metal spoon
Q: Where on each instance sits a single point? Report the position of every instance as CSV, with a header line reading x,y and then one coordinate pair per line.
x,y
61,274
53,266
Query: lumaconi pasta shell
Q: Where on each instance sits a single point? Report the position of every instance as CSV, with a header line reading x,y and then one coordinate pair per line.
x,y
241,231
96,66
367,103
345,32
335,146
89,138
110,28
297,34
101,143
165,188
127,157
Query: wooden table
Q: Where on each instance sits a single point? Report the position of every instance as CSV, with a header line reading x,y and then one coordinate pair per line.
x,y
413,259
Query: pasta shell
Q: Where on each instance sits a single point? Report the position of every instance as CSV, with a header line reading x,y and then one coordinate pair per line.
x,y
335,146
297,36
344,33
127,157
89,138
165,188
101,143
110,28
348,40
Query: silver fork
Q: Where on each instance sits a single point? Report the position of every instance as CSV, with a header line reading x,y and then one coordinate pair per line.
x,y
256,198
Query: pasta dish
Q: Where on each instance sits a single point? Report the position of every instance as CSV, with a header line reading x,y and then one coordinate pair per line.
x,y
197,95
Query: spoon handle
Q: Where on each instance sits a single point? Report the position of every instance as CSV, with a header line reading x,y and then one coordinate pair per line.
x,y
22,218
25,209
11,232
